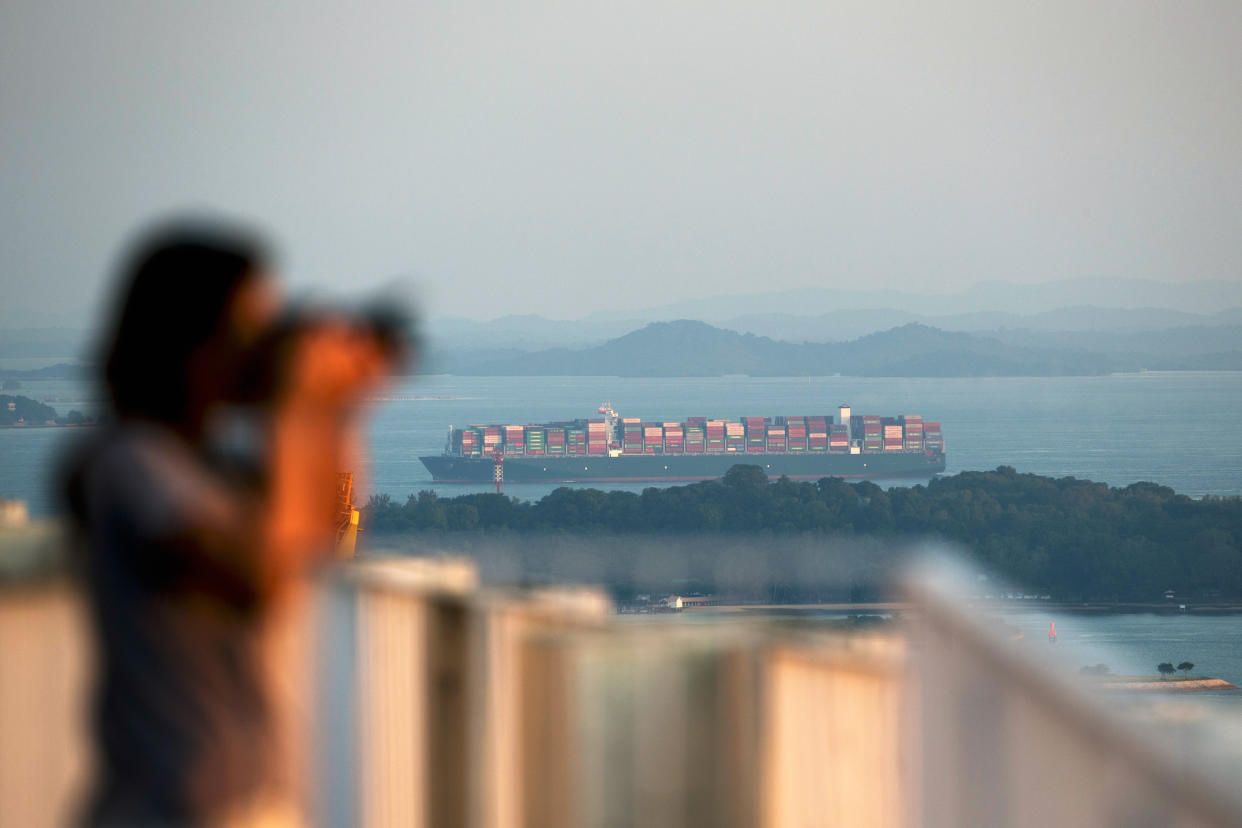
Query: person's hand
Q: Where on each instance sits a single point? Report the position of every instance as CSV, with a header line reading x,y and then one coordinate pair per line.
x,y
334,365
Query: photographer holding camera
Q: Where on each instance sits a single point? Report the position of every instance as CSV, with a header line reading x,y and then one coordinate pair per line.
x,y
198,506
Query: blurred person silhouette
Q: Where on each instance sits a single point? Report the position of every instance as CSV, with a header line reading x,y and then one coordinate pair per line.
x,y
198,506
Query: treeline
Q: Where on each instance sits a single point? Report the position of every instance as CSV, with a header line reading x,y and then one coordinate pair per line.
x,y
1074,539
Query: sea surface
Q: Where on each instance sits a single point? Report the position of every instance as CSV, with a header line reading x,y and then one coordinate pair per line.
x,y
1203,728
1179,429
1134,643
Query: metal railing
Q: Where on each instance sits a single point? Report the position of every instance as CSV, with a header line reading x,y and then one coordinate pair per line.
x,y
1007,739
410,695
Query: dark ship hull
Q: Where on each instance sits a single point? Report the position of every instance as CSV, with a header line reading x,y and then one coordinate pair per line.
x,y
447,468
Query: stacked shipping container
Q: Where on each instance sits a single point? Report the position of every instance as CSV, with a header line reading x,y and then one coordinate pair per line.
x,y
754,435
471,443
631,436
839,438
776,438
696,442
914,431
674,438
597,437
872,432
892,438
515,439
817,433
653,438
796,430
491,439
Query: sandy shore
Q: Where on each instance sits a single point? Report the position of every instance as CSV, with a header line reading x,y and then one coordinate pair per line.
x,y
1167,685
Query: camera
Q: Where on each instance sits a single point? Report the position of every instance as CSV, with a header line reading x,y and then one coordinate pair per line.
x,y
388,325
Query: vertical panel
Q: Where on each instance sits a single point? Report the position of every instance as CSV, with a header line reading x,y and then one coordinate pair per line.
x,y
392,730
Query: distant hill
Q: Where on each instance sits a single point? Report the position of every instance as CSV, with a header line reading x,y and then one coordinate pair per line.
x,y
841,325
689,348
801,324
1169,347
59,371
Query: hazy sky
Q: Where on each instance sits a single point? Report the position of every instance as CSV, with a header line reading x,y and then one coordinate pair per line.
x,y
560,157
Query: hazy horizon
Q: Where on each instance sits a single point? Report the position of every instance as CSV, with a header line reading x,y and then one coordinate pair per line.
x,y
563,161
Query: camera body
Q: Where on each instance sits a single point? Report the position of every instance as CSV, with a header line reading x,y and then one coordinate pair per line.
x,y
266,364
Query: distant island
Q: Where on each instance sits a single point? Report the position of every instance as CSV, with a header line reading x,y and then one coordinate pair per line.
x,y
1073,540
13,377
19,412
688,348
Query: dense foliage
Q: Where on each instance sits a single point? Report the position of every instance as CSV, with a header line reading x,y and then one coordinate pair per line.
x,y
1072,538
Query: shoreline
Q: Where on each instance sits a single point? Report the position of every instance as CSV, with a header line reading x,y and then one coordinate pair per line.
x,y
49,425
1155,684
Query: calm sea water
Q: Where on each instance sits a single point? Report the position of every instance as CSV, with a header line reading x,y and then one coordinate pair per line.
x,y
1177,429
1134,644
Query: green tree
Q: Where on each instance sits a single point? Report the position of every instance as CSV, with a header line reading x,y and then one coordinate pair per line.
x,y
1186,666
427,510
1166,669
745,476
461,516
1073,539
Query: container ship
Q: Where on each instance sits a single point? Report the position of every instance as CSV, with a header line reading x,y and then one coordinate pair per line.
x,y
614,449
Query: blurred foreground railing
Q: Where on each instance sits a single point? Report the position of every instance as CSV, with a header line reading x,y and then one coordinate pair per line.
x,y
1007,739
538,708
409,695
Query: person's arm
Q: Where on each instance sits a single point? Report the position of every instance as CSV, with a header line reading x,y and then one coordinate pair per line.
x,y
314,428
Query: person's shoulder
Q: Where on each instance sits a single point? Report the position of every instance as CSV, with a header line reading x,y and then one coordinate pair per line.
x,y
99,465
139,447
149,469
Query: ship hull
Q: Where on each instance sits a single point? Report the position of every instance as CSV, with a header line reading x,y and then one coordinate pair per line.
x,y
676,468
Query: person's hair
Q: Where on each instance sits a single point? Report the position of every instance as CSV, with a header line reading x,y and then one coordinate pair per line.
x,y
175,293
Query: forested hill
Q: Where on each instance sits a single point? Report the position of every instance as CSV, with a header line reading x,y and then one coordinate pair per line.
x,y
25,411
1072,538
689,348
